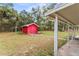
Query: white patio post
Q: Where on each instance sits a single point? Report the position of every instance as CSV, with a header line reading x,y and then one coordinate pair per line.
x,y
56,36
68,32
78,28
74,31
63,27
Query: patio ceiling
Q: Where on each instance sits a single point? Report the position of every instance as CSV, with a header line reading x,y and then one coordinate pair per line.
x,y
68,12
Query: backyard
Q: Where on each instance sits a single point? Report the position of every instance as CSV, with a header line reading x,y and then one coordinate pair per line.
x,y
16,43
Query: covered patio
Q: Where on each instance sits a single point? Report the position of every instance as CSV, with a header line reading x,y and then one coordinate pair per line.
x,y
68,13
70,49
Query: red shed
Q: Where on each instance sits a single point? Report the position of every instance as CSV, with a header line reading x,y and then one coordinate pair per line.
x,y
30,28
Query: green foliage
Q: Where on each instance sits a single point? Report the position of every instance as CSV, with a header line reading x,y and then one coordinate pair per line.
x,y
8,15
50,25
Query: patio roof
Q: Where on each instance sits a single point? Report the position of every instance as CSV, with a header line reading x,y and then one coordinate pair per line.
x,y
68,12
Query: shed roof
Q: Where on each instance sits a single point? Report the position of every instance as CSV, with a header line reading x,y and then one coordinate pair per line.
x,y
30,24
67,12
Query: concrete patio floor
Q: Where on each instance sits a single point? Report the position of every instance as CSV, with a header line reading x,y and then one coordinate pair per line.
x,y
70,49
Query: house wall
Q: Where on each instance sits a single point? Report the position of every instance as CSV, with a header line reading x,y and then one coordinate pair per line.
x,y
32,29
24,29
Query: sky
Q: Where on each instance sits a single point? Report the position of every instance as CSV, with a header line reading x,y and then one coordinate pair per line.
x,y
26,6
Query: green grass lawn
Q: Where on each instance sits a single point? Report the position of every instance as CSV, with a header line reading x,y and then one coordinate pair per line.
x,y
51,33
12,43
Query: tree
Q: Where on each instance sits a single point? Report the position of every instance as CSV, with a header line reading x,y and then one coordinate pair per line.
x,y
25,17
7,17
10,18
